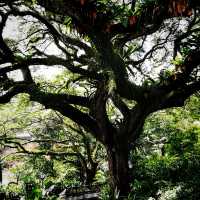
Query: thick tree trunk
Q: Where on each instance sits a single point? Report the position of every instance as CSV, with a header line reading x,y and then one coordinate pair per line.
x,y
119,171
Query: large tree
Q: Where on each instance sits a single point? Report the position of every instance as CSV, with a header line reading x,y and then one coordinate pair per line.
x,y
118,52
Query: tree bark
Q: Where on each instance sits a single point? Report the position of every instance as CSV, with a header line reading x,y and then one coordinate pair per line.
x,y
119,171
90,174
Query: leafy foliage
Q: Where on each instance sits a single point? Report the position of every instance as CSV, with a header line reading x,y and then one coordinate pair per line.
x,y
122,61
167,158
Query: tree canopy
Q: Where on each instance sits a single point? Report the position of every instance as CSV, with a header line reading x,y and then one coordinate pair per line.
x,y
131,58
